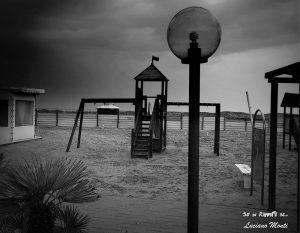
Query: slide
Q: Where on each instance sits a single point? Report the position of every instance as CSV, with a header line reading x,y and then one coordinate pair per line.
x,y
295,131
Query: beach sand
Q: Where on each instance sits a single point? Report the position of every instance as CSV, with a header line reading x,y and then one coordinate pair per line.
x,y
106,153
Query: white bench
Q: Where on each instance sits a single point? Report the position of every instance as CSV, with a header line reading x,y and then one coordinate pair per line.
x,y
246,173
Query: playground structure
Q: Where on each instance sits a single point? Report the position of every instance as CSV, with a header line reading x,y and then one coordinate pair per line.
x,y
290,123
286,74
150,127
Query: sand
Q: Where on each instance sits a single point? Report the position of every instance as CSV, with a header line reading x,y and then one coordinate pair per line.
x,y
106,153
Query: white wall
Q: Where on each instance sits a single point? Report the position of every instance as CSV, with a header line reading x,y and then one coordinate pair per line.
x,y
23,132
12,133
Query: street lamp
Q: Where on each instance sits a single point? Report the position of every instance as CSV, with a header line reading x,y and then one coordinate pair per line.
x,y
194,34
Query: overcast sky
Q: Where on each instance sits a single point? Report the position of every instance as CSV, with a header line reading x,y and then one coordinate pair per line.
x,y
94,48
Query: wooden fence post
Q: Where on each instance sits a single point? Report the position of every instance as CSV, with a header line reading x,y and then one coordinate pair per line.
x,y
118,120
181,120
36,117
224,125
56,118
202,123
246,124
97,121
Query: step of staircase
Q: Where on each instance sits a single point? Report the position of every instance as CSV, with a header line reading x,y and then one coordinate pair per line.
x,y
141,148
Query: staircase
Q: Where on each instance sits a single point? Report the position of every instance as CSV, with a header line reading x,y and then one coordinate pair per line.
x,y
142,146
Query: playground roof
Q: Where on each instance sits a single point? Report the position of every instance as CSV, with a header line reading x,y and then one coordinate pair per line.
x,y
151,73
23,90
109,106
292,71
291,100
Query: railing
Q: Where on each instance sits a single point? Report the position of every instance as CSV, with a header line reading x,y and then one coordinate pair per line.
x,y
153,124
126,120
136,129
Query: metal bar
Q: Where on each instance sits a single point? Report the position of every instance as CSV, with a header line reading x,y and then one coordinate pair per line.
x,y
202,123
273,145
80,126
74,126
193,140
283,127
217,130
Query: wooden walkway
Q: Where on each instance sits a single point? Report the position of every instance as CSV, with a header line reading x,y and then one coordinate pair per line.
x,y
133,215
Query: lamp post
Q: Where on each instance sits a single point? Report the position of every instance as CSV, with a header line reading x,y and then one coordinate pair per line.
x,y
193,36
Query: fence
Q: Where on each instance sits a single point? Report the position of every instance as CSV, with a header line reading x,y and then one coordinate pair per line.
x,y
66,118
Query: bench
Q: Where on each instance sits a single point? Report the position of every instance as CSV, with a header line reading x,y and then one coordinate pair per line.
x,y
246,173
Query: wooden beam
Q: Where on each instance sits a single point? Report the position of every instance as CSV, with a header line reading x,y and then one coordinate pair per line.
x,y
186,104
298,188
291,69
273,149
80,126
283,127
284,80
108,100
74,126
290,128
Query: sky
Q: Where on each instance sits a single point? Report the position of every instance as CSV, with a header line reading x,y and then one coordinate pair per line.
x,y
79,49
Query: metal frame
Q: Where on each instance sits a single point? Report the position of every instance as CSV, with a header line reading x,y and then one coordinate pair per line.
x,y
80,113
252,154
217,121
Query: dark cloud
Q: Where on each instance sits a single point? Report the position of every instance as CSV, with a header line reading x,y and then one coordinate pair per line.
x,y
20,51
89,47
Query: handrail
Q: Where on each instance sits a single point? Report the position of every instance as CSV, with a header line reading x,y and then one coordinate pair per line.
x,y
136,127
152,125
154,115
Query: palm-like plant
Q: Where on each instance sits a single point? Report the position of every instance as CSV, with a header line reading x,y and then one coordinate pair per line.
x,y
32,194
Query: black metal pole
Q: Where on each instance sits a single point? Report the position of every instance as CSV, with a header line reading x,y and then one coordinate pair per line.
x,y
193,140
217,130
273,145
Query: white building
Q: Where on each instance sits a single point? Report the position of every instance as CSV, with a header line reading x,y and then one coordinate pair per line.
x,y
17,114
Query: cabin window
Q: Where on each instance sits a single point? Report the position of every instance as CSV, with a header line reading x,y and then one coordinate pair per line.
x,y
3,113
24,112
